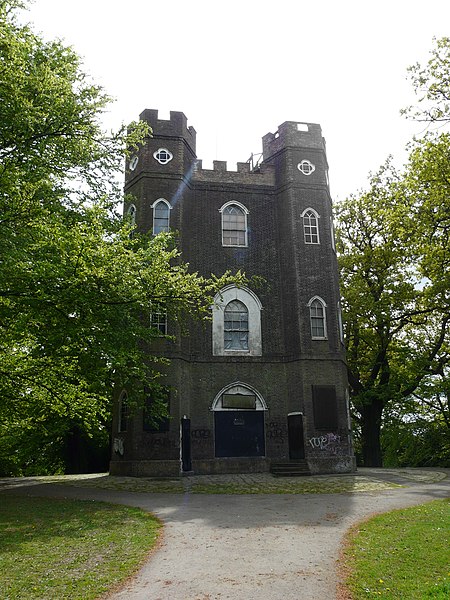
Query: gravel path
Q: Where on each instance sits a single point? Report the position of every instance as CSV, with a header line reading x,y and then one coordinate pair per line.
x,y
250,547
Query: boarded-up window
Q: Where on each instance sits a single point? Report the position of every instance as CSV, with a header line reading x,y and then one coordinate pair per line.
x,y
325,407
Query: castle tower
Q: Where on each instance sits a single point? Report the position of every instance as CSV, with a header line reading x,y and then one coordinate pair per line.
x,y
263,386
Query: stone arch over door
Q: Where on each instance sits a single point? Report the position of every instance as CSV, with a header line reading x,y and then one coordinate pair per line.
x,y
239,422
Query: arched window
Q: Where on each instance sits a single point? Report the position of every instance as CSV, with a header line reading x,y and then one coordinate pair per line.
x,y
317,317
131,213
235,326
161,212
340,323
311,226
236,323
333,236
123,412
234,224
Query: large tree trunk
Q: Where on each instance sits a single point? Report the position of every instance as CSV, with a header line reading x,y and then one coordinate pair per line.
x,y
370,430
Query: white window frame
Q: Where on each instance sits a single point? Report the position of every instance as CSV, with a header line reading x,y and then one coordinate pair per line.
x,y
246,213
333,236
238,387
131,213
317,217
164,161
133,162
340,323
306,167
324,308
254,307
240,331
153,206
158,320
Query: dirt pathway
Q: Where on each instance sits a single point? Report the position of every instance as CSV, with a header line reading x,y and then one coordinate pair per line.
x,y
248,547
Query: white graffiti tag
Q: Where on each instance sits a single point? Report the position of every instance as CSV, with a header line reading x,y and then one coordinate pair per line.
x,y
329,441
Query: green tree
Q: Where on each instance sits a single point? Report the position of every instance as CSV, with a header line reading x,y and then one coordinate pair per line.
x,y
76,288
395,269
431,84
417,432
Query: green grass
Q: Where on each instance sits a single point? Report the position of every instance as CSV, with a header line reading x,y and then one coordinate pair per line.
x,y
56,549
402,554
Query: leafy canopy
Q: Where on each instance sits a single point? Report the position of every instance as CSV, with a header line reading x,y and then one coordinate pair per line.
x,y
394,242
76,288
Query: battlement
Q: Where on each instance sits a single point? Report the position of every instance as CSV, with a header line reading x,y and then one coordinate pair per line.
x,y
176,126
263,176
293,134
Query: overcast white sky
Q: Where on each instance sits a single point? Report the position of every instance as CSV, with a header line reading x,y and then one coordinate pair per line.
x,y
238,69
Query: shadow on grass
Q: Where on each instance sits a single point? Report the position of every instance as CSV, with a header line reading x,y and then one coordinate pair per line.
x,y
60,548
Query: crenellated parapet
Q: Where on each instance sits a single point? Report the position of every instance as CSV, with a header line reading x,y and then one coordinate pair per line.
x,y
262,176
176,126
292,134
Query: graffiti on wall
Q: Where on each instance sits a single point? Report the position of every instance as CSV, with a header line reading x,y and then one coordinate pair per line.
x,y
202,441
329,442
277,431
201,434
118,446
162,442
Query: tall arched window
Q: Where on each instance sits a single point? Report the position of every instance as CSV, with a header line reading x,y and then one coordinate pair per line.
x,y
236,323
317,316
340,323
333,237
235,326
311,226
161,213
234,224
131,212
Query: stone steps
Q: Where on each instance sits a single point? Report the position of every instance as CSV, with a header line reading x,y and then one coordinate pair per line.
x,y
291,468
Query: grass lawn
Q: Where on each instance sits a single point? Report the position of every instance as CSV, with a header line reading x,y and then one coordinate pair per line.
x,y
55,549
402,554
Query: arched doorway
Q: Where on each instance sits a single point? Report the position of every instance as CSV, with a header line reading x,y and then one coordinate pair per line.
x,y
239,422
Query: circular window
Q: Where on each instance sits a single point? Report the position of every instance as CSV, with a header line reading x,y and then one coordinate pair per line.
x,y
306,167
163,156
133,162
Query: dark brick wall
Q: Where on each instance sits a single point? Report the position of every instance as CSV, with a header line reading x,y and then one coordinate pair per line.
x,y
291,363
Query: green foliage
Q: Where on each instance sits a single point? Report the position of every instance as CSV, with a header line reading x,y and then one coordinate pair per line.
x,y
417,432
385,556
394,244
431,83
76,288
420,442
69,549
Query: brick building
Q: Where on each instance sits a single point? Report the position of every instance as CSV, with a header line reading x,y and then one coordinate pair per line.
x,y
263,385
